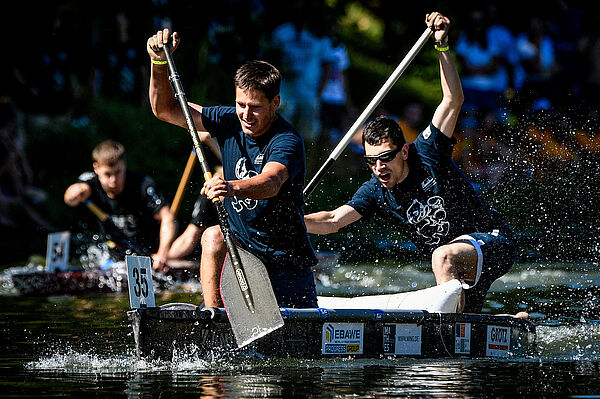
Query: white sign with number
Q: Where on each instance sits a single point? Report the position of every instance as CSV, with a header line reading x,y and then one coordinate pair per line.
x,y
139,280
57,252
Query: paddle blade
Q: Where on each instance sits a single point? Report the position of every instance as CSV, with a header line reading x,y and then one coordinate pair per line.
x,y
266,318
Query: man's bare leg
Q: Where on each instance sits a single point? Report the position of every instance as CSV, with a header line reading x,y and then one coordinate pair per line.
x,y
211,262
456,260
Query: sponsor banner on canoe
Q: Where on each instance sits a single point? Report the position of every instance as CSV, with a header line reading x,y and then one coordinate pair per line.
x,y
498,341
462,338
342,338
402,339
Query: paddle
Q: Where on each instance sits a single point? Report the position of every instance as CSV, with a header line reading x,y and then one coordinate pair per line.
x,y
368,110
185,178
251,307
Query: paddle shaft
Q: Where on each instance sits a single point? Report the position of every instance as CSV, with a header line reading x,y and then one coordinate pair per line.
x,y
185,178
221,212
337,151
100,214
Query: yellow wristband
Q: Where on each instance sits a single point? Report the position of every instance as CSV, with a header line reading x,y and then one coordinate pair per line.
x,y
158,62
445,48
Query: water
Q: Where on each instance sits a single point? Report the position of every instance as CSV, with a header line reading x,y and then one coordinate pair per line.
x,y
66,346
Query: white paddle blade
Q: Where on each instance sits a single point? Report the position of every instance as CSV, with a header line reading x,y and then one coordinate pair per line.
x,y
266,318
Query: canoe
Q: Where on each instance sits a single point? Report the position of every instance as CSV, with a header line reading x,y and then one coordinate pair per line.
x,y
76,281
184,329
420,323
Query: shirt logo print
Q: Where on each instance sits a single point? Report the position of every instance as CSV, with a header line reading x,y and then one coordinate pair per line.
x,y
429,219
243,173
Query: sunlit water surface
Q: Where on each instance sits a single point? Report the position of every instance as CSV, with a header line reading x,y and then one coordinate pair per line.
x,y
66,346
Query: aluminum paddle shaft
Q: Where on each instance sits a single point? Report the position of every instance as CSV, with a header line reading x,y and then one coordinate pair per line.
x,y
221,212
337,151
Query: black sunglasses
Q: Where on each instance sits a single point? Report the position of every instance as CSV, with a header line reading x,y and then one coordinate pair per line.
x,y
386,156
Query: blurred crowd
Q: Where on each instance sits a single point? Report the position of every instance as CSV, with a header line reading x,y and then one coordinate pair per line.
x,y
530,81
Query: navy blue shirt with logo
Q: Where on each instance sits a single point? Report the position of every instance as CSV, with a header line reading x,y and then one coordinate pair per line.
x,y
435,203
272,229
131,212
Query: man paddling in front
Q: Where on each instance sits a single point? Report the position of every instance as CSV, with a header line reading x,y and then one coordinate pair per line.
x,y
420,189
263,165
138,212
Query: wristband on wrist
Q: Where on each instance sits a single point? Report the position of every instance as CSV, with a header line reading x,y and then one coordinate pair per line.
x,y
442,45
158,62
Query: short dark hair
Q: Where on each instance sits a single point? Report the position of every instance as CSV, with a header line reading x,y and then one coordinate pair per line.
x,y
381,128
259,75
108,153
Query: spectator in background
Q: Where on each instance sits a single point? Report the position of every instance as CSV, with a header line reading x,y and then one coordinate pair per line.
x,y
537,55
567,32
591,59
503,43
17,195
484,77
334,87
302,56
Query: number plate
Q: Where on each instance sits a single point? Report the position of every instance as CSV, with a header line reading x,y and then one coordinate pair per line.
x,y
57,252
139,280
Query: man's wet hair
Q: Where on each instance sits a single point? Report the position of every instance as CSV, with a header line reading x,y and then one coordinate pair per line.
x,y
259,75
381,128
108,152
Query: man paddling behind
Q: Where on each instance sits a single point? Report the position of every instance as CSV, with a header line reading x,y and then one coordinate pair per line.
x,y
422,192
137,211
263,166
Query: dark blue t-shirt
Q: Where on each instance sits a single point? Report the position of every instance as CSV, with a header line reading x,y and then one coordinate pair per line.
x,y
132,211
435,203
272,229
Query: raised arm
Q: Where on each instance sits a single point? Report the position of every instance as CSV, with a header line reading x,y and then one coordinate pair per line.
x,y
448,111
164,104
327,222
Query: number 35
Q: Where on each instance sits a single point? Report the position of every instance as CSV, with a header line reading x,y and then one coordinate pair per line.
x,y
141,284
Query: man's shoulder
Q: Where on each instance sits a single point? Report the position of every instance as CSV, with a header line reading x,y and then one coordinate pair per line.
x,y
87,177
432,138
284,131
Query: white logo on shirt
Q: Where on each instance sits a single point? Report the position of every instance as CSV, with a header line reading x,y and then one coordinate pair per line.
x,y
429,219
242,173
427,133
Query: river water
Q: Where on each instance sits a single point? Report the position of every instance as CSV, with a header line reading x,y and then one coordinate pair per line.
x,y
68,346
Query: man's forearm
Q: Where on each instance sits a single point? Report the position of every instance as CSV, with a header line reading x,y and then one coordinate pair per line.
x,y
166,236
257,187
451,85
320,223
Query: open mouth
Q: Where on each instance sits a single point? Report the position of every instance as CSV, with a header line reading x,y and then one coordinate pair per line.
x,y
384,177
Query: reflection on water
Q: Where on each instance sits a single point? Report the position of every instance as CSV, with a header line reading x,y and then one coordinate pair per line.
x,y
66,345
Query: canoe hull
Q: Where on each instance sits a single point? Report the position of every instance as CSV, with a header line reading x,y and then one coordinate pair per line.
x,y
183,329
